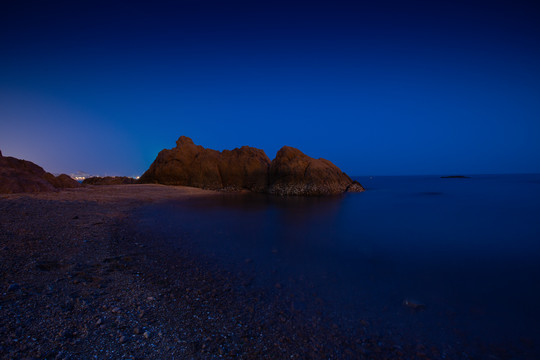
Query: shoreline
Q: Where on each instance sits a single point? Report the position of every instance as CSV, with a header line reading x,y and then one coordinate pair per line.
x,y
79,281
131,193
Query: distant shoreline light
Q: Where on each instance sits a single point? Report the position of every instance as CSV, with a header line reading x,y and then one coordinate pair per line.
x,y
82,178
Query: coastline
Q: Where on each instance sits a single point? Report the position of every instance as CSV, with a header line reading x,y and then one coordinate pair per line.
x,y
80,282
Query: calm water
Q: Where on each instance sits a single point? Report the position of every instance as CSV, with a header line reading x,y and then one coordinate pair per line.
x,y
469,249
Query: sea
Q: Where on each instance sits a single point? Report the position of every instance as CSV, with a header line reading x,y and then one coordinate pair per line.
x,y
453,262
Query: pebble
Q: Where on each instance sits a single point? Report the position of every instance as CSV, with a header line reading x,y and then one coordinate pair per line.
x,y
67,334
146,334
13,287
122,339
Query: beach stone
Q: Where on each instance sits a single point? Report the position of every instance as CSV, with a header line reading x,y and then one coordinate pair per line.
x,y
13,287
67,333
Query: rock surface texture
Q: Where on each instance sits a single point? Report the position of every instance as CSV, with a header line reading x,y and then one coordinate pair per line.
x,y
246,168
109,180
294,173
192,165
21,176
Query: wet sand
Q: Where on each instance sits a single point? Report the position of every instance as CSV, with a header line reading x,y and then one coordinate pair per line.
x,y
77,282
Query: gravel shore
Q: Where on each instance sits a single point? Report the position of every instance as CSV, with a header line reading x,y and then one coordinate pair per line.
x,y
76,282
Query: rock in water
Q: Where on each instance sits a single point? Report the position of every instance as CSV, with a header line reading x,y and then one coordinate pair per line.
x,y
21,176
246,168
294,173
192,165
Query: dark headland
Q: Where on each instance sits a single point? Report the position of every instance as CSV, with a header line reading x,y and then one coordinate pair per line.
x,y
21,176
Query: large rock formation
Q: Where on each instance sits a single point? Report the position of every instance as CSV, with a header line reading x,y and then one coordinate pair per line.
x,y
20,176
294,173
290,173
192,165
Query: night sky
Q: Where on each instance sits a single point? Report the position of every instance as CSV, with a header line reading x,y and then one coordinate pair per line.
x,y
377,87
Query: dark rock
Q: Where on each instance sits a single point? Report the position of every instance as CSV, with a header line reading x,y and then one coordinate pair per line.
x,y
109,180
355,186
48,265
62,181
68,333
13,287
247,168
21,176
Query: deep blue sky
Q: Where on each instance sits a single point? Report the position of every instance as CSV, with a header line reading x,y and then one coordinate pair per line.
x,y
378,87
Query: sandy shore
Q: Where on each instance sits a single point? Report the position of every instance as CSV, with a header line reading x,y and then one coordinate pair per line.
x,y
117,194
77,282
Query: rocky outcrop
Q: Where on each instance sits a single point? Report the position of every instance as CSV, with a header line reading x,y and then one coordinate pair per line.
x,y
192,165
21,176
109,180
62,181
290,173
294,173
